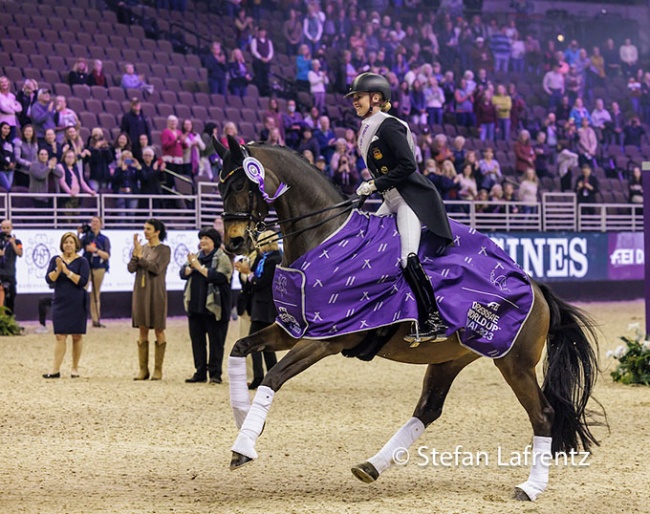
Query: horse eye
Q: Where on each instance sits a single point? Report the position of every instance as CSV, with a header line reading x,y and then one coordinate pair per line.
x,y
239,186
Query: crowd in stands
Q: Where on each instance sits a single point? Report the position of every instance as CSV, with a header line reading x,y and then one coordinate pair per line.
x,y
497,114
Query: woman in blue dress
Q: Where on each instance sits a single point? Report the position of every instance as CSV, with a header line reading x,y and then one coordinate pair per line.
x,y
68,273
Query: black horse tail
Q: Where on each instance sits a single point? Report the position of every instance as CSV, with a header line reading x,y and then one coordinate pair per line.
x,y
570,371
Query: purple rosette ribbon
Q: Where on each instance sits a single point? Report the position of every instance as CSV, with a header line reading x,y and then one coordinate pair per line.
x,y
255,172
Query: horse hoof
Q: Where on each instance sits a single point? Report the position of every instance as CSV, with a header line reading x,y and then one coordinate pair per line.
x,y
238,460
365,472
521,495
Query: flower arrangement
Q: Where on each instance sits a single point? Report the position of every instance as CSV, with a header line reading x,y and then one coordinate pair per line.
x,y
633,359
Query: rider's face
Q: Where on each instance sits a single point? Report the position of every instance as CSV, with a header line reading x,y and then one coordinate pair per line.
x,y
361,104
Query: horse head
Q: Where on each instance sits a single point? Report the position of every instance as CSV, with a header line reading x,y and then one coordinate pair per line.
x,y
243,206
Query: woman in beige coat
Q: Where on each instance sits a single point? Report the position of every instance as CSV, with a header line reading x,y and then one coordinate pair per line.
x,y
149,304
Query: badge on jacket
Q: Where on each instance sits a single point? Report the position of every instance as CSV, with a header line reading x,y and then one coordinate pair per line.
x,y
376,154
384,170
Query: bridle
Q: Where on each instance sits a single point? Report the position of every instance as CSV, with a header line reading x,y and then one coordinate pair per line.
x,y
256,223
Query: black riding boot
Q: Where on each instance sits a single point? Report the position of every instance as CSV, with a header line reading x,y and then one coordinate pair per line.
x,y
430,326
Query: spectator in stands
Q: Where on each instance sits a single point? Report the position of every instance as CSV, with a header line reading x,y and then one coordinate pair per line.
x,y
629,56
238,74
274,138
458,151
501,48
612,59
464,105
599,117
490,170
510,195
309,157
273,111
503,104
262,51
645,97
563,111
72,140
519,111
318,82
587,187
634,93
582,65
132,81
268,125
571,53
292,124
99,161
192,147
579,112
633,132
532,55
517,53
418,105
43,114
486,116
312,119
467,182
573,84
551,130
566,160
150,175
303,66
527,191
125,183
7,156
26,97
49,143
312,26
614,130
142,142
209,165
134,123
244,26
64,117
596,69
292,31
403,101
541,155
554,86
635,186
97,76
44,175
26,153
325,137
548,57
309,143
172,148
215,63
230,129
435,100
121,144
72,181
524,153
9,107
345,174
496,200
79,73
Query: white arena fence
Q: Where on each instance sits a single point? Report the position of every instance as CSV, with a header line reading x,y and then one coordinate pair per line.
x,y
555,212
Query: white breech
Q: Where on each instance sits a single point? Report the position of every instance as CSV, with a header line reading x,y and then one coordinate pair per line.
x,y
254,423
409,225
538,478
240,400
398,445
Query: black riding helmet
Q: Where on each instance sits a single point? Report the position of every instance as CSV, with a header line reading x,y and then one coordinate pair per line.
x,y
369,83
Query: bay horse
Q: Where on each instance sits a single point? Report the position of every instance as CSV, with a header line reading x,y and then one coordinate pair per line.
x,y
309,211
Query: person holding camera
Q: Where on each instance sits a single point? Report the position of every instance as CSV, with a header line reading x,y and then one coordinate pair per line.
x,y
99,161
97,251
10,249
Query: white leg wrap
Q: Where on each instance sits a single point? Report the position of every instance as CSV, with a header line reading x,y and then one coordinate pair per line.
x,y
240,400
403,439
538,478
254,423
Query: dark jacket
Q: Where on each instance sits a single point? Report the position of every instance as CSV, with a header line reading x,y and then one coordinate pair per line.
x,y
198,284
262,306
135,125
392,164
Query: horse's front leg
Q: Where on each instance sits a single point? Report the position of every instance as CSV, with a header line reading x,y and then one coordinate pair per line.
x,y
272,338
303,354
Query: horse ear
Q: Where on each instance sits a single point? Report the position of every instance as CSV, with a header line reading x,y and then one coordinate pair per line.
x,y
235,149
221,150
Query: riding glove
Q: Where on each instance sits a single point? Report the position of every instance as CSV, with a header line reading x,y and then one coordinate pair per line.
x,y
366,188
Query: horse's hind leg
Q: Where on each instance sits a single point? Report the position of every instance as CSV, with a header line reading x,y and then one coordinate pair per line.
x,y
437,382
518,368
